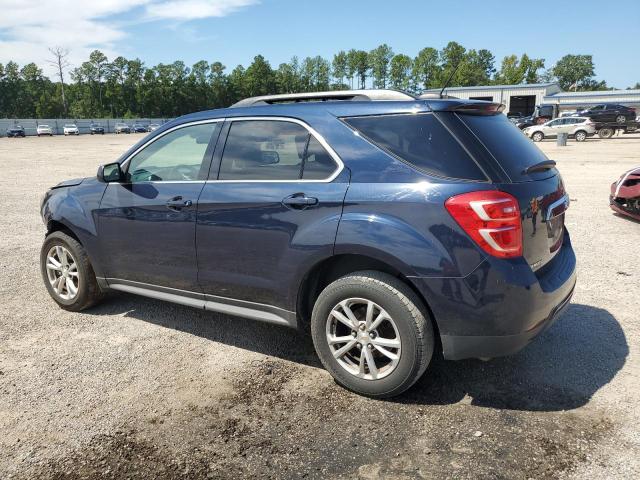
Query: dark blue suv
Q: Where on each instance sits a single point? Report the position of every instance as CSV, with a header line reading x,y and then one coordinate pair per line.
x,y
387,226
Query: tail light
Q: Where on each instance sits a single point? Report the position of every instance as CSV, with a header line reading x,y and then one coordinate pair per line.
x,y
491,219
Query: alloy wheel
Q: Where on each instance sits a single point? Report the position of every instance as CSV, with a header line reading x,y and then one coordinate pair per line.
x,y
62,272
363,338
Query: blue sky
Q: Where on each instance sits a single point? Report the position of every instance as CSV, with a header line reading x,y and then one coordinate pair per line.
x,y
233,31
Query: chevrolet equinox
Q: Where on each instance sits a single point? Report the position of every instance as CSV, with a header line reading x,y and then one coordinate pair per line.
x,y
387,226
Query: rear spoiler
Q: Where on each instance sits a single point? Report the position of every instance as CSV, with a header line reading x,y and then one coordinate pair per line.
x,y
468,107
484,108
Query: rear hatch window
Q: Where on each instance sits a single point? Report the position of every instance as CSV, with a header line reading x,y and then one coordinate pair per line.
x,y
508,145
420,140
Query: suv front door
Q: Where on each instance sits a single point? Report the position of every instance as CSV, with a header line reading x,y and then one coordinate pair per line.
x,y
269,212
147,223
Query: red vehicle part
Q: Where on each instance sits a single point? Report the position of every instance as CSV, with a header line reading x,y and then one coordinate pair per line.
x,y
625,194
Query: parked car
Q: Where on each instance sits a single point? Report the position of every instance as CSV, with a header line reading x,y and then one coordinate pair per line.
x,y
122,128
139,128
16,131
576,127
384,228
153,127
96,129
44,130
609,112
71,129
625,194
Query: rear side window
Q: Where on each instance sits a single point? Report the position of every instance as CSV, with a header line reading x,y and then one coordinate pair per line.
x,y
273,150
420,140
513,150
263,150
318,164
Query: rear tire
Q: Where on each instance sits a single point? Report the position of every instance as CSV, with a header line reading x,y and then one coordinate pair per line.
x,y
381,353
537,136
605,132
621,119
581,136
67,273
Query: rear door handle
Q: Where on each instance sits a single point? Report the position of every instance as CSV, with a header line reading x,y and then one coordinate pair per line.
x,y
176,203
299,201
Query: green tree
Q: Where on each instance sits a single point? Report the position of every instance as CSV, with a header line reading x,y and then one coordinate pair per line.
x,y
426,69
400,72
574,71
361,66
379,59
515,71
340,70
259,78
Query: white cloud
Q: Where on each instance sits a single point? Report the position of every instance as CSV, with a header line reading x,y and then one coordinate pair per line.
x,y
194,9
29,28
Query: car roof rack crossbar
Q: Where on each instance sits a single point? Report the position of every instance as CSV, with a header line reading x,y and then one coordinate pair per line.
x,y
352,95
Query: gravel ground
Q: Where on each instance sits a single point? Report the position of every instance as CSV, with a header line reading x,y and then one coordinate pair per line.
x,y
137,388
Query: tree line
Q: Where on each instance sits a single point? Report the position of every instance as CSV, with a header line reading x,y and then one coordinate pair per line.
x,y
127,88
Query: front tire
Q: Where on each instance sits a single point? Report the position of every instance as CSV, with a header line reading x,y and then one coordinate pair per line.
x,y
372,333
537,136
67,273
581,136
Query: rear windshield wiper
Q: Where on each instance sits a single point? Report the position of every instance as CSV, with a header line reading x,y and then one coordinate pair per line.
x,y
539,167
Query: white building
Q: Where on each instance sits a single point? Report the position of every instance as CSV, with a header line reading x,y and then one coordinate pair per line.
x,y
524,98
517,98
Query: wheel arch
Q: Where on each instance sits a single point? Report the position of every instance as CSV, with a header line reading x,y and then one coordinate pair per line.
x,y
330,269
58,226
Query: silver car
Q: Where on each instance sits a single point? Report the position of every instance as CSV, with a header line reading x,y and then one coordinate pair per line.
x,y
44,130
578,127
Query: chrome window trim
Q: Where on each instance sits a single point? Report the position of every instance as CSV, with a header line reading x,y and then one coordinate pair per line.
x,y
172,129
311,130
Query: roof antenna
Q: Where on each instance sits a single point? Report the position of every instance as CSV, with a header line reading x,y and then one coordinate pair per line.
x,y
446,84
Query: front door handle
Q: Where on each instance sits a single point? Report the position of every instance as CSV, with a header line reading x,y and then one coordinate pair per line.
x,y
299,201
176,203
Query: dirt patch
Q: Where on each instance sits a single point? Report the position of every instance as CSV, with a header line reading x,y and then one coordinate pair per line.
x,y
283,420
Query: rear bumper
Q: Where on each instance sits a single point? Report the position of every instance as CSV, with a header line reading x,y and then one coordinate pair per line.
x,y
501,306
457,347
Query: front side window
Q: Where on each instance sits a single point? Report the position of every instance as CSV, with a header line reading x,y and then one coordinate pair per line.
x,y
273,150
177,156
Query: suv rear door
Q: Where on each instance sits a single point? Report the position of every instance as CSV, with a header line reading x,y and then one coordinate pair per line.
x,y
269,211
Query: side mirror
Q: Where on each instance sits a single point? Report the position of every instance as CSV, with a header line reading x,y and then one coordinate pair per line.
x,y
111,172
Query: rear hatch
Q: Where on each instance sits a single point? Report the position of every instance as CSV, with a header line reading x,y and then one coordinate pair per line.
x,y
521,169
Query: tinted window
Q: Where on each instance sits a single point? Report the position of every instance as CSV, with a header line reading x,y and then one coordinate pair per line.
x,y
318,164
263,150
422,141
513,150
176,156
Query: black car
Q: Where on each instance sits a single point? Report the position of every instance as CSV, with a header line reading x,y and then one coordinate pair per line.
x,y
96,128
139,128
383,229
16,131
609,112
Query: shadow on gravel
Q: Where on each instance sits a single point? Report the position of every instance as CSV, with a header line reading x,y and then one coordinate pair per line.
x,y
560,370
260,337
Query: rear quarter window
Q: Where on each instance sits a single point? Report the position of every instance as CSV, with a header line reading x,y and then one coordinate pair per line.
x,y
506,143
421,141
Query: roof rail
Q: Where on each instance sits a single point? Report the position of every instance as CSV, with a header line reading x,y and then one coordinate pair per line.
x,y
353,95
